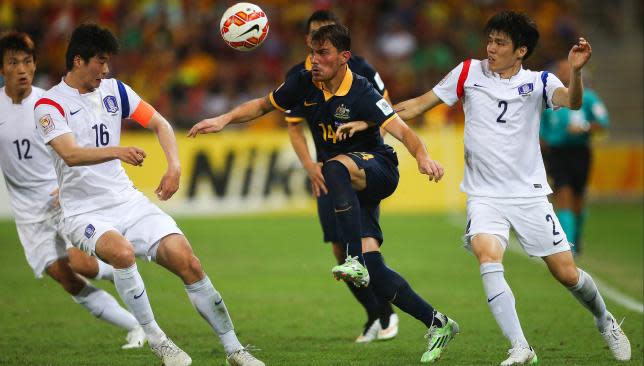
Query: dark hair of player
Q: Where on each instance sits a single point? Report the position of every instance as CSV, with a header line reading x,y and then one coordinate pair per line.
x,y
518,26
321,16
337,34
89,40
16,41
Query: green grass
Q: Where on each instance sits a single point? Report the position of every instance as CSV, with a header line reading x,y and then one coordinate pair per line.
x,y
275,276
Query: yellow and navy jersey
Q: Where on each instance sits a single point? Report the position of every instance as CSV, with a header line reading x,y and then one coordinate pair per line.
x,y
355,100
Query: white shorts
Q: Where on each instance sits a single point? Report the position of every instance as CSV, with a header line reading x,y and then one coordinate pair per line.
x,y
533,219
43,243
140,221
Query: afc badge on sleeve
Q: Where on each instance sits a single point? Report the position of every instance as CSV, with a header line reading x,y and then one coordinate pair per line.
x,y
46,123
384,107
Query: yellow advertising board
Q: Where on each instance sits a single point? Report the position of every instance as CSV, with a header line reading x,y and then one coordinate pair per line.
x,y
239,171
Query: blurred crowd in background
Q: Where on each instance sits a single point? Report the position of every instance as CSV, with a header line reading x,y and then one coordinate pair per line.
x,y
173,56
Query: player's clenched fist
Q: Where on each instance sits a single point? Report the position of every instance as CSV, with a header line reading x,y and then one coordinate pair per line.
x,y
131,155
432,168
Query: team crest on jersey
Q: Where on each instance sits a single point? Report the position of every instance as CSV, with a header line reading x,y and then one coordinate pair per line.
x,y
110,104
89,231
46,123
342,112
526,89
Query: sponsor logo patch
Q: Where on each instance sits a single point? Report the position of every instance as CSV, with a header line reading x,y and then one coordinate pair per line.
x,y
89,231
46,123
110,104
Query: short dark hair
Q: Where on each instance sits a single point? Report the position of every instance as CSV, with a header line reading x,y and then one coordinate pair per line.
x,y
321,16
518,26
89,40
337,34
16,41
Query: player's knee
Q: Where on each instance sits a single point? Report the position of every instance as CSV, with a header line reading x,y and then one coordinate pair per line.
x,y
121,256
567,276
333,169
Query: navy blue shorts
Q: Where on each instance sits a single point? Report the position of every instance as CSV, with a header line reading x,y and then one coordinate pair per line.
x,y
382,179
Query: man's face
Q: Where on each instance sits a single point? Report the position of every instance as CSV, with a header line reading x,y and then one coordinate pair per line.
x,y
18,68
315,25
326,61
92,72
501,53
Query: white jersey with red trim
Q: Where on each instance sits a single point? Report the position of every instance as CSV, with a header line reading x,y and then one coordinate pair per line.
x,y
95,120
502,116
25,162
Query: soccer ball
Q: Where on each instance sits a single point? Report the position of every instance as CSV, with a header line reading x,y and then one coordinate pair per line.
x,y
244,26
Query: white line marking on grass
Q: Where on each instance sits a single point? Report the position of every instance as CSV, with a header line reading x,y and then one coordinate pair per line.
x,y
605,289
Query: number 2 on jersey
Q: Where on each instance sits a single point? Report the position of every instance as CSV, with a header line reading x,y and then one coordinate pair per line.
x,y
102,135
502,104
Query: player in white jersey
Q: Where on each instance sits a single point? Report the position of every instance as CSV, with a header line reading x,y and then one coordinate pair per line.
x,y
31,182
80,120
505,179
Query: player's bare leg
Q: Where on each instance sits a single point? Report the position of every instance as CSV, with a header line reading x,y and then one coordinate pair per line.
x,y
118,252
500,299
89,266
583,288
98,302
175,254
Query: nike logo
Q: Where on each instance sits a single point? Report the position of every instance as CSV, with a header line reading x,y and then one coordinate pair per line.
x,y
557,242
307,104
220,301
255,28
480,86
141,294
495,296
74,112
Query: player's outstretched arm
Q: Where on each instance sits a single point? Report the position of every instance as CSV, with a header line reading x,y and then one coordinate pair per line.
x,y
412,108
170,181
74,155
313,168
243,113
399,129
571,97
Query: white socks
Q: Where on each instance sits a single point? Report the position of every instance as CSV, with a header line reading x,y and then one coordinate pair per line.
x,y
105,307
130,287
501,302
585,291
105,271
211,307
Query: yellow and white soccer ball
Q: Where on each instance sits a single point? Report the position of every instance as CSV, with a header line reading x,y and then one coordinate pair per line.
x,y
244,26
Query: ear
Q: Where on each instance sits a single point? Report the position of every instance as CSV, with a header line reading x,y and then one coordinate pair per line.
x,y
345,56
78,61
521,51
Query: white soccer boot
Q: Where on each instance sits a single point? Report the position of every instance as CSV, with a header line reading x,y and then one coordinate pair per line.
x,y
370,333
617,341
391,331
135,338
170,354
243,357
520,355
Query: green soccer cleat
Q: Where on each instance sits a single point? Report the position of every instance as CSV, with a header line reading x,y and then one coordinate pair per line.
x,y
352,271
438,339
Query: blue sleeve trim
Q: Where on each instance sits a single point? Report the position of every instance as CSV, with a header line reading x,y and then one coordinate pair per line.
x,y
125,101
544,80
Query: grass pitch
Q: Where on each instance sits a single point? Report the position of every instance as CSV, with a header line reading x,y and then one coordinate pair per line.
x,y
274,274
